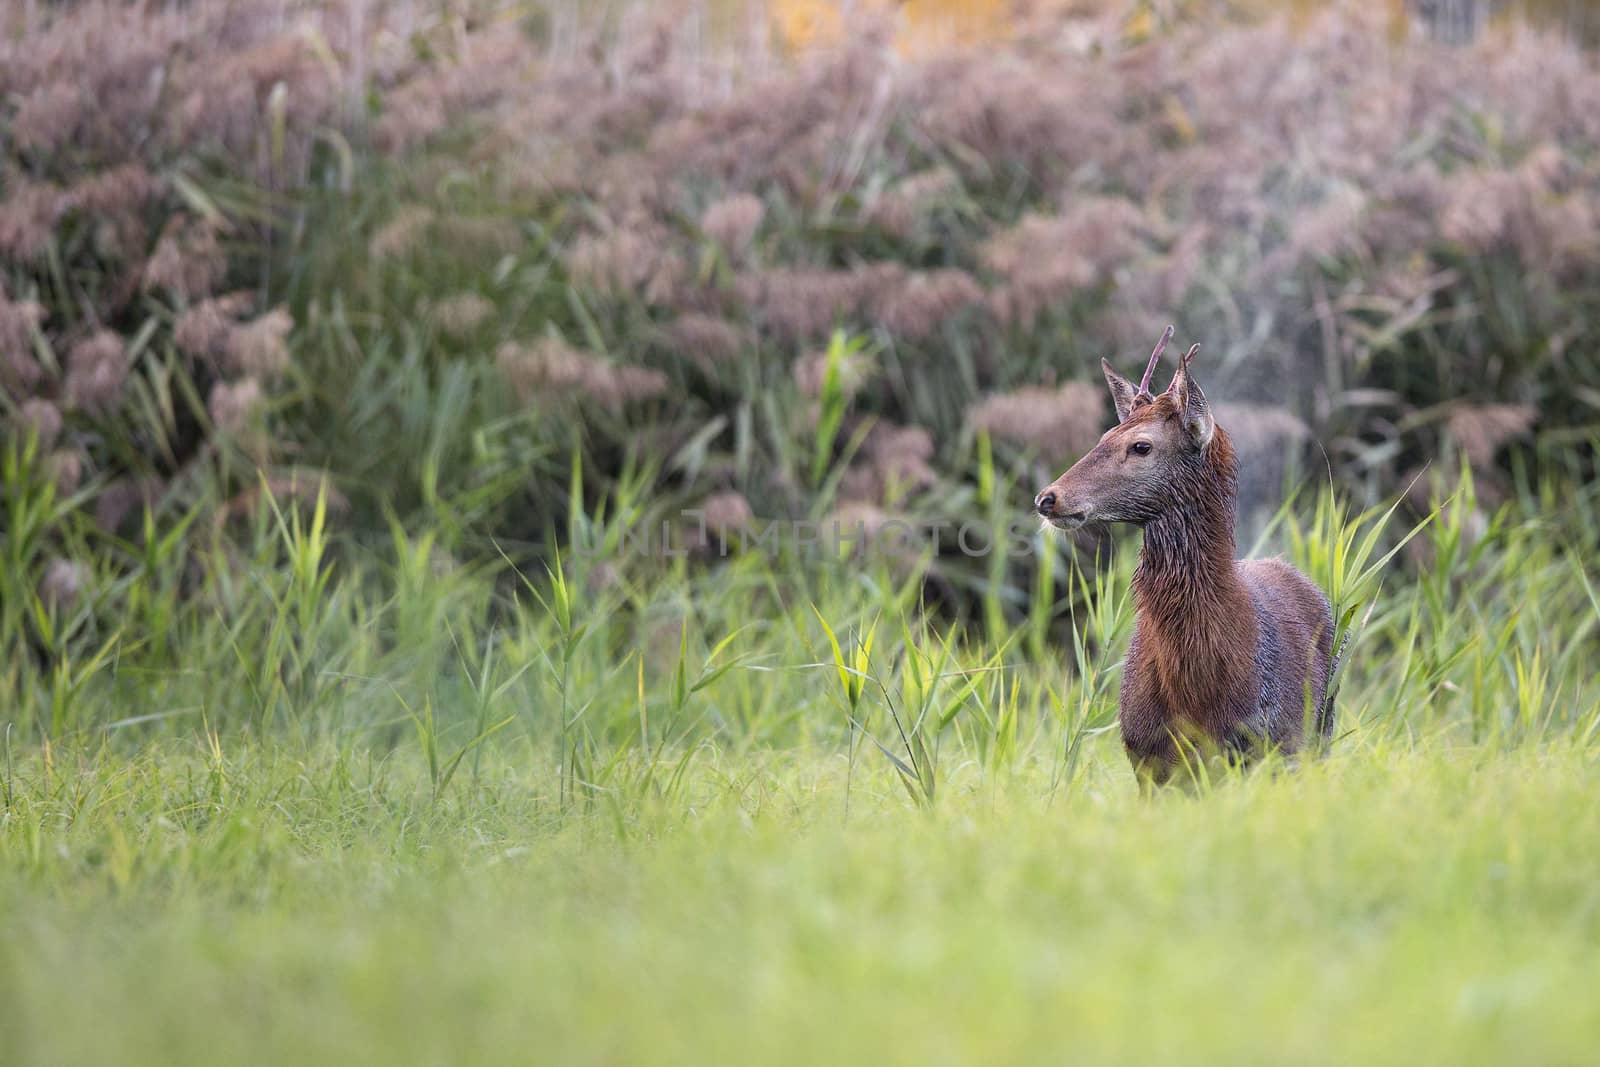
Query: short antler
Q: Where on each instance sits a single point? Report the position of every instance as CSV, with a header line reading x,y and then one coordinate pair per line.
x,y
1155,357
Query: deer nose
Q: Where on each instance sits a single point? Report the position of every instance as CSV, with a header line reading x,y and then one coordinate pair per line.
x,y
1045,502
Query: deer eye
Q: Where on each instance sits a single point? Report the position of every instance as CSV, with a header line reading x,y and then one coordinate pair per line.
x,y
1139,448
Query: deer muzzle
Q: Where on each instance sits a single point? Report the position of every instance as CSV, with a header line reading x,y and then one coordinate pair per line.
x,y
1054,507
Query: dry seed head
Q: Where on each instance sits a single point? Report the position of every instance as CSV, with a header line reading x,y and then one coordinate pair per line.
x,y
1480,429
478,238
811,373
122,497
1256,428
188,260
459,315
113,193
802,303
1328,230
1044,112
63,582
732,222
66,470
727,515
401,234
42,420
707,340
18,320
865,527
1058,423
727,511
1479,212
909,201
47,118
894,460
1569,232
860,515
602,577
203,332
28,214
917,307
484,65
97,367
260,348
19,371
553,369
1047,258
615,262
234,406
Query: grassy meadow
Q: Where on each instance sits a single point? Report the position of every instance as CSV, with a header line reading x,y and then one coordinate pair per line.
x,y
426,436
1397,903
688,836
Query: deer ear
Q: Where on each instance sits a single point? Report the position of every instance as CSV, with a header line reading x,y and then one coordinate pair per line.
x,y
1122,391
1191,402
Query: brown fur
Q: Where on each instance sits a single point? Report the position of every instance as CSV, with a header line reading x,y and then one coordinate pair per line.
x,y
1228,656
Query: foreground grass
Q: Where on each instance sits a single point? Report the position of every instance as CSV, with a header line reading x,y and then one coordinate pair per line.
x,y
1393,903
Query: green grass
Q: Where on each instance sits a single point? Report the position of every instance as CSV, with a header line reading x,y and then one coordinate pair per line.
x,y
345,804
1394,903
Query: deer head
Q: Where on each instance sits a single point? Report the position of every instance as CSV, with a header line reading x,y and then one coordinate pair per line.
x,y
1147,464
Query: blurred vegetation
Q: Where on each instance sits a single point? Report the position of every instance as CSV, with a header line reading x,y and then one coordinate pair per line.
x,y
357,360
353,300
924,23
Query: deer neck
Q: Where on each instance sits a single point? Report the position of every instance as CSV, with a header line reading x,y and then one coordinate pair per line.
x,y
1195,611
1187,559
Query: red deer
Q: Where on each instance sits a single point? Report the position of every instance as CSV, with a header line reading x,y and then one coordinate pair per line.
x,y
1228,656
